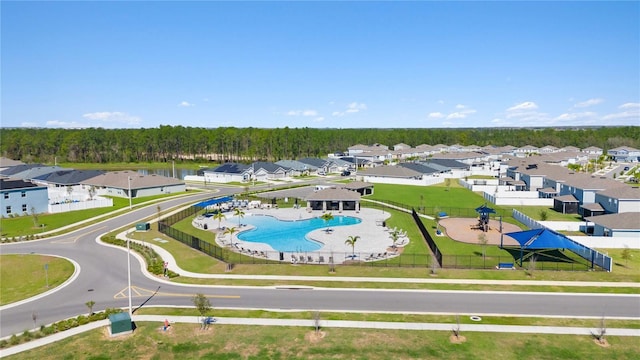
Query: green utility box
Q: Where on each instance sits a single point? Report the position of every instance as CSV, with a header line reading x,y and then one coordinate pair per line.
x,y
120,324
143,227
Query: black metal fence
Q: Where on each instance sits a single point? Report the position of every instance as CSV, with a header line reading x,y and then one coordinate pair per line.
x,y
427,237
391,258
433,211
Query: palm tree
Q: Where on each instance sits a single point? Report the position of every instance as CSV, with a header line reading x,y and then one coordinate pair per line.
x,y
327,217
218,216
395,235
230,230
351,241
239,213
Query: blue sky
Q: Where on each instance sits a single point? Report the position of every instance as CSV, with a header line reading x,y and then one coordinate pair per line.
x,y
320,64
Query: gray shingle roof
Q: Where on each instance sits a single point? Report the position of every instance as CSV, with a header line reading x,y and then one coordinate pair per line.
x,y
420,167
231,168
566,198
622,193
334,194
592,207
295,165
626,221
119,180
391,171
267,166
69,177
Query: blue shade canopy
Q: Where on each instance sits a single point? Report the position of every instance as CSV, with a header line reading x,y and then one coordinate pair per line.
x,y
542,239
484,209
214,201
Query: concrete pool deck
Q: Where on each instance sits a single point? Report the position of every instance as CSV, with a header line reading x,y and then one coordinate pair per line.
x,y
374,238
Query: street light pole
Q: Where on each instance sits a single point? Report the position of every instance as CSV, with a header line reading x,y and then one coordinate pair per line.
x,y
129,180
129,273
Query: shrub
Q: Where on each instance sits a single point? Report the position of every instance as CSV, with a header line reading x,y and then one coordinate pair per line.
x,y
48,330
14,340
81,320
543,215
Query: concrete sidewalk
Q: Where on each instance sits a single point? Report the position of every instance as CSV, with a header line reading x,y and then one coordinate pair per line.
x,y
173,266
309,323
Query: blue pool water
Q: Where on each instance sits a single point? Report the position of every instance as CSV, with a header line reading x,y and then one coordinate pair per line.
x,y
289,235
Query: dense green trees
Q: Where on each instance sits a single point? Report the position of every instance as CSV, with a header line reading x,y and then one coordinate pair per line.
x,y
244,144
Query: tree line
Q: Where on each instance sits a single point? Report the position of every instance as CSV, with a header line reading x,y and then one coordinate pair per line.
x,y
164,143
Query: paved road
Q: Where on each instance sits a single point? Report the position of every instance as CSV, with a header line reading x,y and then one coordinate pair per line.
x,y
102,277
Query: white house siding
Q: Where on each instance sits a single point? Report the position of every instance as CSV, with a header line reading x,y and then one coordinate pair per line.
x,y
426,181
223,177
629,206
160,190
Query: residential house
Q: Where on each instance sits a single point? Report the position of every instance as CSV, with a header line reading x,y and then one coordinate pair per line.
x,y
621,199
228,172
616,225
624,154
263,170
19,197
130,184
592,150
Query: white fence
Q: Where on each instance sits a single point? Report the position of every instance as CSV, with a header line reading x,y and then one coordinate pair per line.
x,y
80,205
527,221
566,225
426,181
607,242
513,198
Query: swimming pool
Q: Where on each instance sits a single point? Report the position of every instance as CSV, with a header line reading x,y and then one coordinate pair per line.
x,y
289,236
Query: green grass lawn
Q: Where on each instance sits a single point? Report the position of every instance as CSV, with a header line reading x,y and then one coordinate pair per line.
x,y
187,341
29,225
552,215
23,276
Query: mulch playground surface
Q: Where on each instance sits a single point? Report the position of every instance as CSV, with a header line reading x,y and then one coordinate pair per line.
x,y
462,229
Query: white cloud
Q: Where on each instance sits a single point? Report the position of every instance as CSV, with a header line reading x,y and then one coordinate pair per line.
x,y
28,124
588,103
355,107
527,105
186,104
460,106
319,119
629,106
436,115
302,113
352,108
110,118
633,114
440,102
575,116
460,114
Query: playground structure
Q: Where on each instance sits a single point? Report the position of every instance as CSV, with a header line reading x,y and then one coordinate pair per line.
x,y
483,218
